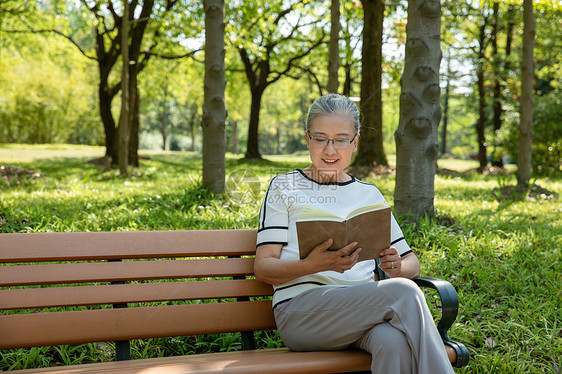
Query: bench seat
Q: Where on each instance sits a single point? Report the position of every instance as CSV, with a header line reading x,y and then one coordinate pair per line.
x,y
277,361
71,288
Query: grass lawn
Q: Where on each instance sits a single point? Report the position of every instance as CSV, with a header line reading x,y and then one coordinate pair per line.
x,y
503,254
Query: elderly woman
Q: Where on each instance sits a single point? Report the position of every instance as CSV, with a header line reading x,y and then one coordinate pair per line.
x,y
329,300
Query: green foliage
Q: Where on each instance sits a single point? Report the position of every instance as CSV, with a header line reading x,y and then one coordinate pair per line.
x,y
172,93
18,359
461,41
503,256
547,134
55,100
283,118
48,91
547,140
263,27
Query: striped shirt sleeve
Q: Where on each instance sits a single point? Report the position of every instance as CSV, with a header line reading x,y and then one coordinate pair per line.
x,y
273,225
397,239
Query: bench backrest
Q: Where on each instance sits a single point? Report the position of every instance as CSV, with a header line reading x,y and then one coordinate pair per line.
x,y
112,286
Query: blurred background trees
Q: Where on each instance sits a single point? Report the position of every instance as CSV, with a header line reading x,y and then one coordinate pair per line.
x,y
52,81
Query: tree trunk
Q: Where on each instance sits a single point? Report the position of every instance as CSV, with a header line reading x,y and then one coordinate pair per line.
x,y
348,63
106,59
508,41
235,136
526,102
446,108
108,49
192,124
133,123
334,53
135,67
497,88
258,66
481,124
214,109
347,82
506,71
371,150
105,99
164,117
420,111
125,113
252,150
134,128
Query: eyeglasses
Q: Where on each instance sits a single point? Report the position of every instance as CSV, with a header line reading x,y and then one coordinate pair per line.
x,y
339,143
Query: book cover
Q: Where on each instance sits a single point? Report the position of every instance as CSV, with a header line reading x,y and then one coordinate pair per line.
x,y
368,225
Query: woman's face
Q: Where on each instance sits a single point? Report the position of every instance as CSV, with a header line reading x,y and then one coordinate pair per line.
x,y
330,160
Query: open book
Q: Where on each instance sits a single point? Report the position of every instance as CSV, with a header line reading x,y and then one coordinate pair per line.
x,y
368,225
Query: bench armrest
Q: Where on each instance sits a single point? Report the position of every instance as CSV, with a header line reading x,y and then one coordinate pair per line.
x,y
449,301
449,310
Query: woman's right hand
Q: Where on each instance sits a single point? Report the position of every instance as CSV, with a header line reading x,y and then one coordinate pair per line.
x,y
269,268
322,259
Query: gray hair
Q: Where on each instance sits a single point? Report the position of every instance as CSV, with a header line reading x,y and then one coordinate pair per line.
x,y
334,103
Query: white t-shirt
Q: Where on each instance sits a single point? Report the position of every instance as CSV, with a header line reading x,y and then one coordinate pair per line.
x,y
284,199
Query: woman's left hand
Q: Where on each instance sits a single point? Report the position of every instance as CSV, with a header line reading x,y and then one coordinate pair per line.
x,y
391,262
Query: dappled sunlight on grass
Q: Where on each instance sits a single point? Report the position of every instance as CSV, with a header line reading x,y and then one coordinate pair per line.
x,y
28,153
502,254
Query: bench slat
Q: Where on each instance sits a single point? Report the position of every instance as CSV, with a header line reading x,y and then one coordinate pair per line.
x,y
54,328
77,246
277,361
22,275
130,293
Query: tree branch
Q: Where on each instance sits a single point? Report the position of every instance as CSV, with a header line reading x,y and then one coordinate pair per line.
x,y
269,46
115,89
311,74
94,9
170,4
169,57
250,73
113,51
294,28
55,32
113,12
296,58
145,57
139,27
284,12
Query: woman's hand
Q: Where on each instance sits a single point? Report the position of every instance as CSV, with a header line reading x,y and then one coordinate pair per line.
x,y
269,268
322,259
394,265
391,262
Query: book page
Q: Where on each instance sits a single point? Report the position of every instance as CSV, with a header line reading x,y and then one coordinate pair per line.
x,y
309,213
365,209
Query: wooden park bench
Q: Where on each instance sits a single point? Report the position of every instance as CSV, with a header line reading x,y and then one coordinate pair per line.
x,y
118,286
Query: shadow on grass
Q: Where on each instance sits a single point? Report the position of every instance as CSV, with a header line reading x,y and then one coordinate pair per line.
x,y
511,194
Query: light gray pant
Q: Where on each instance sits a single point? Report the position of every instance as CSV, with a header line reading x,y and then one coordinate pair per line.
x,y
390,319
